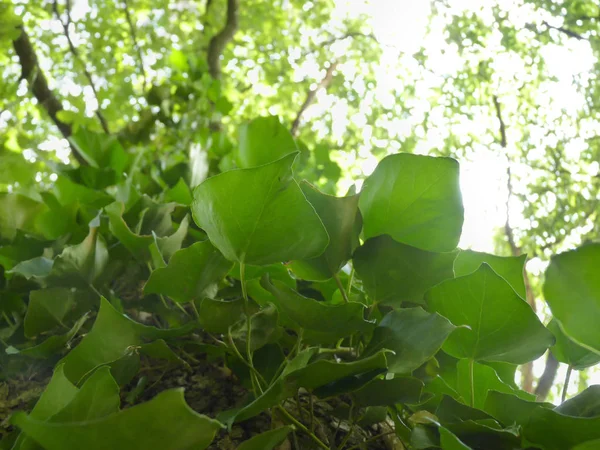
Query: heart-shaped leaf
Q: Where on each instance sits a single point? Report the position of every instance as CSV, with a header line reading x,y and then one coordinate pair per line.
x,y
501,326
259,216
565,350
416,200
263,141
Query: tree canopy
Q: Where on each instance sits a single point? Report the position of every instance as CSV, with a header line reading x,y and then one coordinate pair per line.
x,y
260,202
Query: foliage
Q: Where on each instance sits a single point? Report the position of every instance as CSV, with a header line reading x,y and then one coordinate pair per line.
x,y
195,234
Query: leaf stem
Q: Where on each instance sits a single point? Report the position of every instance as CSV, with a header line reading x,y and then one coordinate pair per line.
x,y
341,288
300,425
566,385
472,376
252,369
350,280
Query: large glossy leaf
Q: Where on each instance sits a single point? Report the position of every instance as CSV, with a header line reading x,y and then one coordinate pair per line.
x,y
509,409
414,336
449,441
108,341
393,273
263,141
508,267
343,224
416,200
141,427
565,350
502,327
572,289
190,273
259,216
339,320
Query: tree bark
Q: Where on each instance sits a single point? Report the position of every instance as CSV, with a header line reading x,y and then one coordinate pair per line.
x,y
219,41
31,71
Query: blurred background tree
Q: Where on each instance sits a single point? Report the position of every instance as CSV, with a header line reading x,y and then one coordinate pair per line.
x,y
509,87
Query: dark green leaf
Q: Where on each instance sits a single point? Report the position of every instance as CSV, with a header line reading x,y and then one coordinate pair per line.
x,y
413,334
263,328
389,392
216,316
567,351
267,440
393,272
416,200
339,320
502,326
47,309
449,441
584,404
190,273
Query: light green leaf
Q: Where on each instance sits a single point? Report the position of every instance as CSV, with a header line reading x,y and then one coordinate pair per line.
x,y
110,338
413,334
510,268
343,223
136,244
138,428
190,273
263,329
38,267
502,327
18,212
572,289
393,273
259,216
416,200
263,141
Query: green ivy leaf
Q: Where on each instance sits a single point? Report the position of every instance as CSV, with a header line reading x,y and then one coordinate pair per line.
x,y
584,404
413,334
393,273
343,223
138,428
449,441
501,326
510,268
572,289
568,352
485,379
263,328
267,440
416,200
452,411
336,320
389,392
216,316
18,212
259,216
109,340
190,273
263,141
47,309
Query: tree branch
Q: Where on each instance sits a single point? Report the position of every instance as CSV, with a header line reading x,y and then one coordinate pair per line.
x,y
219,41
334,39
31,71
136,46
566,31
312,94
78,58
547,379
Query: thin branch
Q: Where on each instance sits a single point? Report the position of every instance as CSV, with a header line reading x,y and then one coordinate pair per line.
x,y
312,94
78,58
334,39
566,31
136,46
219,41
547,379
31,71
